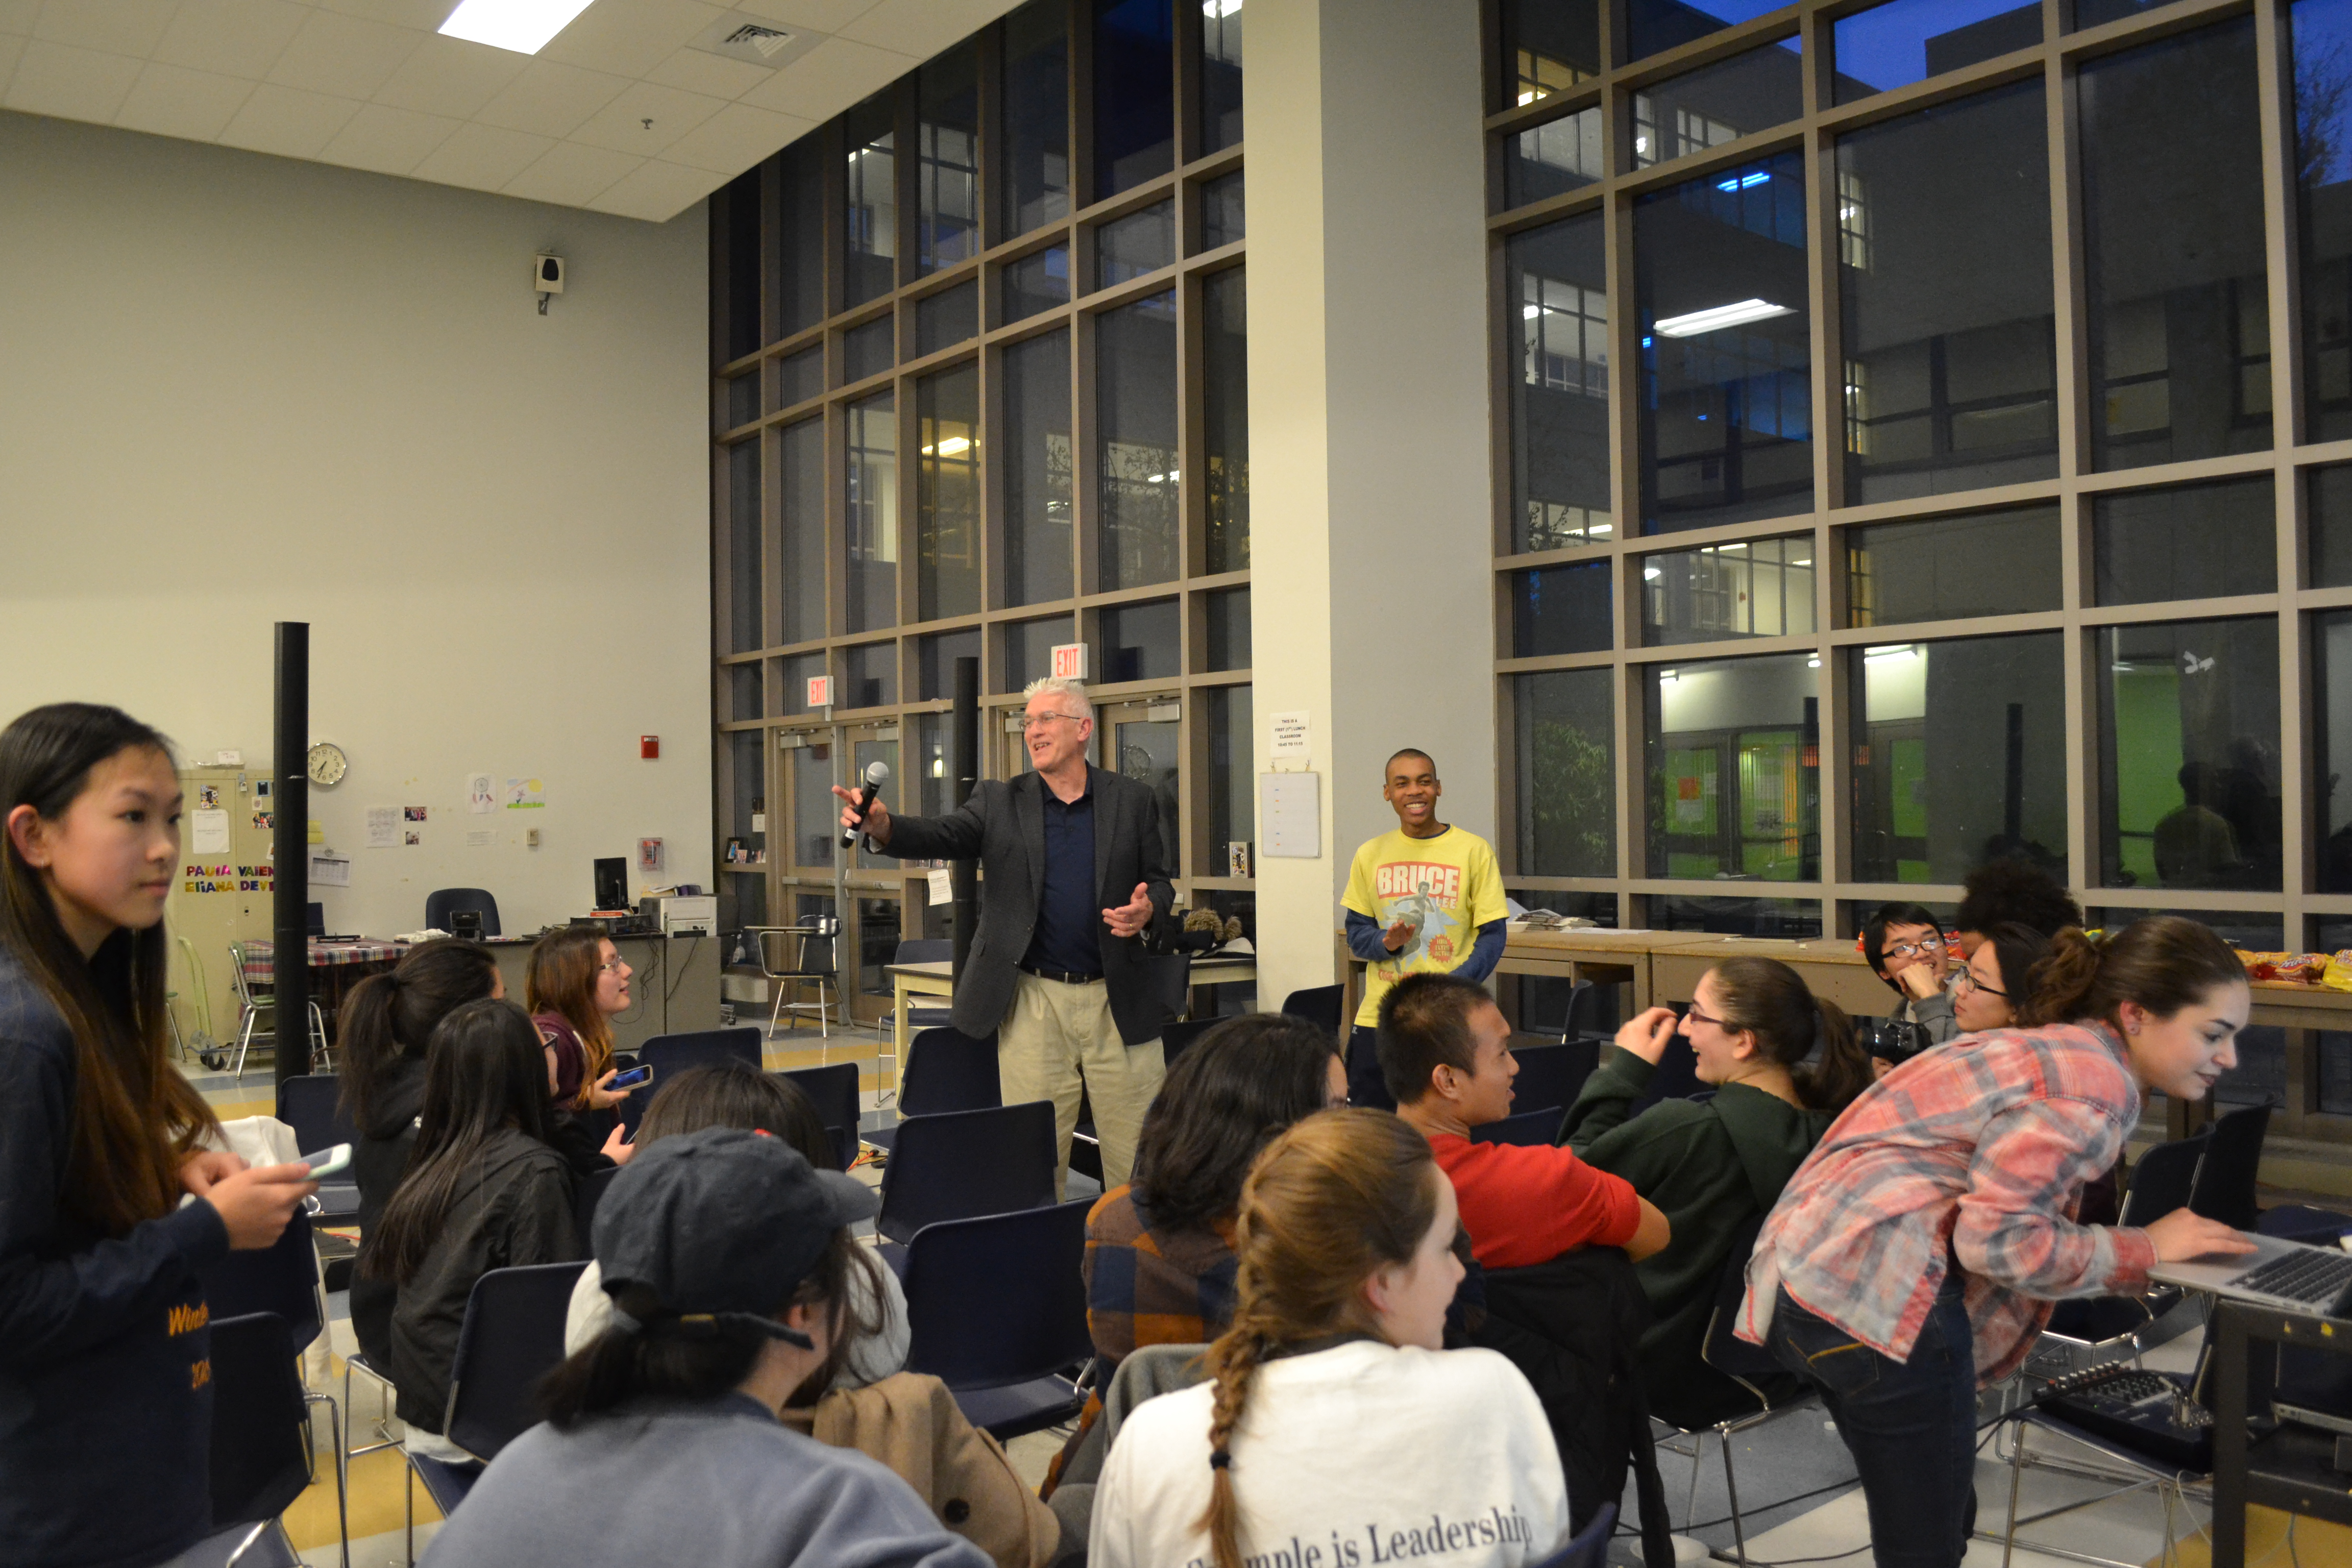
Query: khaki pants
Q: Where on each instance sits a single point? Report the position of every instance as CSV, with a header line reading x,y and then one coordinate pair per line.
x,y
1057,1038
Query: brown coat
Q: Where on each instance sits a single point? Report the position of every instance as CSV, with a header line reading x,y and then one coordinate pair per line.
x,y
911,1423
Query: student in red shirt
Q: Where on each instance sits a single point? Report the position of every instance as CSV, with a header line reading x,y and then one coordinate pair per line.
x,y
1445,1054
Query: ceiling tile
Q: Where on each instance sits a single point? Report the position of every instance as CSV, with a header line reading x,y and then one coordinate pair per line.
x,y
937,23
17,17
817,15
118,26
483,157
735,138
288,120
234,37
388,141
345,56
657,192
829,79
424,15
551,100
629,37
621,124
72,84
451,76
692,70
570,174
169,100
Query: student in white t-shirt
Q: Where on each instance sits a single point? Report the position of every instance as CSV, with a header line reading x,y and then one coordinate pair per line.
x,y
1334,1431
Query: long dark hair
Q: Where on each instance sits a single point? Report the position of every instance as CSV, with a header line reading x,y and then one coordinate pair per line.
x,y
2017,947
387,1016
561,979
485,1069
135,1118
1241,1082
2163,962
1768,997
734,1093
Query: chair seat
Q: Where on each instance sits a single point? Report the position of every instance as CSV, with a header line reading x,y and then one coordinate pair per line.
x,y
445,1482
1008,1412
269,1550
337,1200
928,1018
894,1255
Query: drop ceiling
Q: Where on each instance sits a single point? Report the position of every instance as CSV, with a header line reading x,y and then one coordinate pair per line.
x,y
627,110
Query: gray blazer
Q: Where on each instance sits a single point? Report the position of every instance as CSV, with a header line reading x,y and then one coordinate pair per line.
x,y
1002,826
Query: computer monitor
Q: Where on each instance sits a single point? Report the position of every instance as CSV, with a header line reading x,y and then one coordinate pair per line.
x,y
612,882
314,918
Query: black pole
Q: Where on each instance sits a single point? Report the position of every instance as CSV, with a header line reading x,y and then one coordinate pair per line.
x,y
290,850
964,758
2012,794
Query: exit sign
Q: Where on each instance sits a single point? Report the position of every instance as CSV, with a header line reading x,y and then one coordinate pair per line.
x,y
820,691
1070,660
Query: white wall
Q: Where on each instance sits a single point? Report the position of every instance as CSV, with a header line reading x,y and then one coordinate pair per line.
x,y
236,389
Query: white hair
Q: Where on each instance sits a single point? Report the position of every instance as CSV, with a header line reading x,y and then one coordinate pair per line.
x,y
1062,685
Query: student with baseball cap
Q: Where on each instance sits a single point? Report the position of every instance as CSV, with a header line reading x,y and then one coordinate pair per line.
x,y
725,1254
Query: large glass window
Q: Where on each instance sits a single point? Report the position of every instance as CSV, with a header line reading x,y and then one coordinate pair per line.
x,y
946,319
801,543
1221,75
948,133
1225,417
1561,609
1896,44
1140,642
871,512
1228,621
2180,315
935,662
947,493
1232,804
870,232
1038,281
1224,216
1549,47
1135,92
1755,588
2188,754
2331,527
1559,398
1959,756
1718,103
1945,280
800,258
1035,454
2323,169
1553,158
1733,763
1564,739
1726,415
746,630
1133,246
1037,98
1657,25
1029,648
1135,451
1974,563
2194,541
869,676
2331,767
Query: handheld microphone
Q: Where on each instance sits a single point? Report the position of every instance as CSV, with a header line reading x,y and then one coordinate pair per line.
x,y
877,775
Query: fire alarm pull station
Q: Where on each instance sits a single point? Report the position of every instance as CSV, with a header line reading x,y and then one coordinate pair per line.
x,y
649,746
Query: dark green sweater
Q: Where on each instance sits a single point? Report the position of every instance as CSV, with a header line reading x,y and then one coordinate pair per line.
x,y
1709,1167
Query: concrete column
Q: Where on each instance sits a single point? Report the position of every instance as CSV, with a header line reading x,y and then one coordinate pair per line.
x,y
1373,596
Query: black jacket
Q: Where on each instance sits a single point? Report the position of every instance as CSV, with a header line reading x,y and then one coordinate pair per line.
x,y
105,1409
1004,827
517,1210
378,1162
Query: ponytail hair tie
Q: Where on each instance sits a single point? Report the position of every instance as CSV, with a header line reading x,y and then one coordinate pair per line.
x,y
1219,1459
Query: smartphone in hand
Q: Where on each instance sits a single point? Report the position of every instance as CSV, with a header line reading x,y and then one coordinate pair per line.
x,y
327,1163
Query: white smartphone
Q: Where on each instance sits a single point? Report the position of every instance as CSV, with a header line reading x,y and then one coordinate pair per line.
x,y
332,1162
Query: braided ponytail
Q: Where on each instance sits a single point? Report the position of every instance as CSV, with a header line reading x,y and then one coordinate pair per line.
x,y
1331,1202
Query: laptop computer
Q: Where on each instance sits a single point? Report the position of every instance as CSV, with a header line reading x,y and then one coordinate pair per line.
x,y
2292,1275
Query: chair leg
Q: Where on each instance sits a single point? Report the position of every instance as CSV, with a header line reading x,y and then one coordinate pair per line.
x,y
1698,1457
777,1011
246,1544
1731,1490
2016,1474
410,1509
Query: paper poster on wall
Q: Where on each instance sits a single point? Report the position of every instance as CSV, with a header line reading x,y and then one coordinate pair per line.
x,y
330,871
1290,816
481,794
412,814
477,838
382,826
649,855
415,838
525,794
1291,735
207,796
208,832
942,887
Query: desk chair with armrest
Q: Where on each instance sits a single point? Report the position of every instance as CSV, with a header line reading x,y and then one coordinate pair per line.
x,y
442,905
256,1017
261,1456
814,961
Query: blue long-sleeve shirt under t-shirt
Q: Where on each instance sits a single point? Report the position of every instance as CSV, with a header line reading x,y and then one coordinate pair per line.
x,y
1364,934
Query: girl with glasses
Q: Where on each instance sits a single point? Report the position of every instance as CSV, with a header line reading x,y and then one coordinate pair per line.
x,y
577,983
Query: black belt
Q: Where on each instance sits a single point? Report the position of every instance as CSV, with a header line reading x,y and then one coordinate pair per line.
x,y
1066,979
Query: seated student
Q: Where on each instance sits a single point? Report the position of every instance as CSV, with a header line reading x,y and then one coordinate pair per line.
x,y
1913,1259
2012,890
484,1190
737,1094
1905,947
726,1256
574,985
1990,991
384,1024
1160,1257
1712,1166
1445,1051
1332,1417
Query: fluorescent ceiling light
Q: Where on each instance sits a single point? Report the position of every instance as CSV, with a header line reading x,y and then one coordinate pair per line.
x,y
522,25
1213,8
1720,316
953,444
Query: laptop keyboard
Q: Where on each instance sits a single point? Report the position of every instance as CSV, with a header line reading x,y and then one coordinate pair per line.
x,y
2308,1275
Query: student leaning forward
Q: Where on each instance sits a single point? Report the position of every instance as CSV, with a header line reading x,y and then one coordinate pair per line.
x,y
105,1380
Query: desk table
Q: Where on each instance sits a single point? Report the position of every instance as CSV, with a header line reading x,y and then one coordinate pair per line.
x,y
1829,967
672,990
1599,953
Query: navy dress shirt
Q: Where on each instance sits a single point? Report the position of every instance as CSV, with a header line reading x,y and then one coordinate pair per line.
x,y
1063,937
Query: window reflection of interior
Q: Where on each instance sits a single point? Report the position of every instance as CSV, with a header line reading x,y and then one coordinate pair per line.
x,y
949,504
1757,588
873,204
950,176
1540,76
1853,222
1554,526
1566,328
1689,131
1570,143
1735,771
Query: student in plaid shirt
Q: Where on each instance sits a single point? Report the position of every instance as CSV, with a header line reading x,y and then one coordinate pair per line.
x,y
1915,1254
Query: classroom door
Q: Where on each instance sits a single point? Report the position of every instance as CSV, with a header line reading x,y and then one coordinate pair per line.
x,y
876,882
1143,740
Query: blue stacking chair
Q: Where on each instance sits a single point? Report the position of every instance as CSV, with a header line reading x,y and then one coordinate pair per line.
x,y
1532,1128
670,1055
1175,1039
260,1442
1317,1004
997,1311
1591,1547
312,1106
946,1070
834,1087
964,1163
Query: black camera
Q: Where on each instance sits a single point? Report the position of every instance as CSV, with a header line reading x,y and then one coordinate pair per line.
x,y
1893,1039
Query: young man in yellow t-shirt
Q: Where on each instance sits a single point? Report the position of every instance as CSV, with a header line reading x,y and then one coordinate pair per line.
x,y
1425,898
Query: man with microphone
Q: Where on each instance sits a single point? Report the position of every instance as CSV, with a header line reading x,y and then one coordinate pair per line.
x,y
1074,869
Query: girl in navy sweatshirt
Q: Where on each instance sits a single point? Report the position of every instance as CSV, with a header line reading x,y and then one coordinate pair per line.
x,y
105,1376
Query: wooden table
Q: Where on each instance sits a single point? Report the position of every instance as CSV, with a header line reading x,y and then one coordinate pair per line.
x,y
938,979
1829,967
2286,1005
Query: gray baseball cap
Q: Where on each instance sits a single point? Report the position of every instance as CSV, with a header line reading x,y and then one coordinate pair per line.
x,y
718,1227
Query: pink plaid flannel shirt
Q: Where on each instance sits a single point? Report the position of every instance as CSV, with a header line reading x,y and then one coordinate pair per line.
x,y
1983,1146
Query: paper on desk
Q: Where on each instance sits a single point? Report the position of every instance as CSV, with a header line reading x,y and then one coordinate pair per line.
x,y
208,832
384,828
